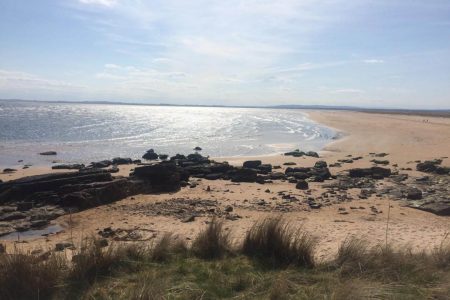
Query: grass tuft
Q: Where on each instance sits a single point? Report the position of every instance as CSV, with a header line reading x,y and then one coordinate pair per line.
x,y
26,276
213,242
275,242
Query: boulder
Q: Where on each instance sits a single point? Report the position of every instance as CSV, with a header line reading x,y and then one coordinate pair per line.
x,y
150,155
163,156
302,185
198,158
320,164
121,161
251,164
9,170
374,172
264,168
428,165
414,194
165,176
178,157
197,148
244,175
312,154
101,164
438,208
295,153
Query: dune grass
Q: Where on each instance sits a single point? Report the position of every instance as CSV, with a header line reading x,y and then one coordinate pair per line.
x,y
274,241
275,261
213,242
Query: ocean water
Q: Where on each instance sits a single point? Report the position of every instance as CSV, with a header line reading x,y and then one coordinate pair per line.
x,y
88,132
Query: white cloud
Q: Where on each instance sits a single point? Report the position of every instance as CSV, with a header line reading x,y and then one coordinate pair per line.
x,y
347,91
22,80
373,61
107,3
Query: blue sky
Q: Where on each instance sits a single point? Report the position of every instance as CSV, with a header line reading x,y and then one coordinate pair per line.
x,y
371,53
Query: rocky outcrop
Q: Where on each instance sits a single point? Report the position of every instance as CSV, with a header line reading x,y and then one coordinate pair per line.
x,y
163,177
68,167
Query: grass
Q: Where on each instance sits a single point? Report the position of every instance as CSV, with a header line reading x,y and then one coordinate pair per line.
x,y
213,242
276,261
27,276
275,242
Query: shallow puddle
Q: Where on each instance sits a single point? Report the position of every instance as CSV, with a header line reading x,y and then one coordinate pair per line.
x,y
31,234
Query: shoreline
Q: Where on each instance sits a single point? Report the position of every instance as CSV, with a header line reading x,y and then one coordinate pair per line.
x,y
332,223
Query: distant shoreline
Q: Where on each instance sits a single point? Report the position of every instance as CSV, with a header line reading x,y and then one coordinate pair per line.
x,y
445,113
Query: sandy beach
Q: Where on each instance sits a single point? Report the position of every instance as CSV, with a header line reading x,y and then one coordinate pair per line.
x,y
404,138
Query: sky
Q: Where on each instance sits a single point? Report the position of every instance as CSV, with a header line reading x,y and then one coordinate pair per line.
x,y
366,53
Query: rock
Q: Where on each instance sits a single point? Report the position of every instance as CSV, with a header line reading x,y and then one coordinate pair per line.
x,y
165,176
163,156
188,219
302,185
101,164
15,215
178,157
24,206
380,154
312,154
438,208
150,155
414,194
320,164
48,153
314,205
68,167
39,223
295,153
243,175
374,172
197,158
380,162
264,168
197,148
63,245
289,163
428,166
213,176
228,208
121,161
9,170
2,249
251,164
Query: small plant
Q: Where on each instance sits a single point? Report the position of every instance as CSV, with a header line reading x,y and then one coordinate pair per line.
x,y
213,242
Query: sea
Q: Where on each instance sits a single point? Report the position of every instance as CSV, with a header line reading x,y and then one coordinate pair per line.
x,y
82,133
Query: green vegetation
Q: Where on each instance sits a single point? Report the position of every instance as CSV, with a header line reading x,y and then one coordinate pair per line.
x,y
275,261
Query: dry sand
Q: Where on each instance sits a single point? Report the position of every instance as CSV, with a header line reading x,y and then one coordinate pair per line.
x,y
405,138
